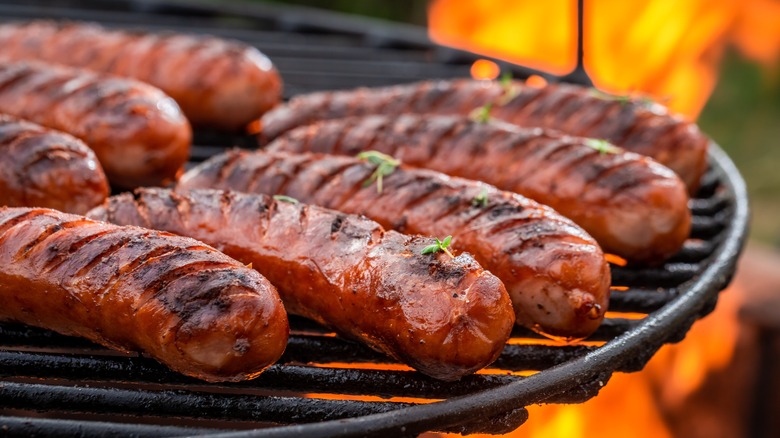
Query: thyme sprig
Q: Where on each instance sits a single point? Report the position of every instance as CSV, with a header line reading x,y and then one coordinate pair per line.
x,y
482,114
440,245
287,199
604,147
385,165
481,200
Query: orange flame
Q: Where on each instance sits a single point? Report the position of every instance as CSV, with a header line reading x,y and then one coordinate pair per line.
x,y
668,49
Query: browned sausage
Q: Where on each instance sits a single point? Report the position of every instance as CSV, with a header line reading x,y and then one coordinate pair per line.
x,y
185,304
137,132
633,206
636,125
218,83
40,167
445,317
554,271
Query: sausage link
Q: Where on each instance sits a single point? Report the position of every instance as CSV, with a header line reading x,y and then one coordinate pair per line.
x,y
185,304
45,168
554,271
218,83
446,318
635,125
137,132
631,205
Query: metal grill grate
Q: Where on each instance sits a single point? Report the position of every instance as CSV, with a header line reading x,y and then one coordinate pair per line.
x,y
56,385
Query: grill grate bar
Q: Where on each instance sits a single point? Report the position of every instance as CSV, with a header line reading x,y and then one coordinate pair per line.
x,y
44,427
183,404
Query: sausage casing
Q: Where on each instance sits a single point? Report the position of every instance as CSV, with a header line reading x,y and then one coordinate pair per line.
x,y
445,317
218,83
554,271
40,167
635,125
633,206
137,132
187,305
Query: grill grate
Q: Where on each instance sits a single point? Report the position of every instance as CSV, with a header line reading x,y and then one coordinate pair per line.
x,y
56,385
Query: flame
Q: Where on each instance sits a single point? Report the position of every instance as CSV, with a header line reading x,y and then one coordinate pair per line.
x,y
667,49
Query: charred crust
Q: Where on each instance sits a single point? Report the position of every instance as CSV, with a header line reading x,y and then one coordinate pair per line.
x,y
337,223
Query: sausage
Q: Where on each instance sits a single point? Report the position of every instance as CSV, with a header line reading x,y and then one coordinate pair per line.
x,y
40,167
633,124
218,83
554,271
137,132
633,206
445,317
183,303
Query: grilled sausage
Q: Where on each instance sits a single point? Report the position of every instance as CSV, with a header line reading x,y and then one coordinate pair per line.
x,y
137,132
446,318
185,304
635,125
218,83
44,168
555,273
631,205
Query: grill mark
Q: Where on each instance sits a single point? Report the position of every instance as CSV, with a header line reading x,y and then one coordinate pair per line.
x,y
48,231
223,165
562,147
573,166
326,180
158,286
61,256
20,74
597,121
604,172
122,241
427,187
6,226
562,118
130,268
447,137
257,174
45,155
516,109
296,168
427,89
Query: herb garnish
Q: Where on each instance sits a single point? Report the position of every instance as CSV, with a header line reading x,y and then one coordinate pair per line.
x,y
623,99
286,199
604,147
385,165
482,114
481,200
509,90
440,245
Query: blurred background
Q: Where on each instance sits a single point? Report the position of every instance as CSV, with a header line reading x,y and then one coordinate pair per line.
x,y
717,62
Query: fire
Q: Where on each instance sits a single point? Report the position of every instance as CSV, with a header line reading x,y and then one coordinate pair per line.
x,y
667,49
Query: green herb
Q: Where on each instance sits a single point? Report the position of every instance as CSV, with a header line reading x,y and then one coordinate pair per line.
x,y
385,165
509,90
603,146
440,245
624,99
481,200
482,114
285,199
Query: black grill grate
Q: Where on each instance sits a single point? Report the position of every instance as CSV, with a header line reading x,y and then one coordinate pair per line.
x,y
56,385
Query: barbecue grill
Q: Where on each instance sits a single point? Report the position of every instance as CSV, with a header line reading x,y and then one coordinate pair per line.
x,y
325,386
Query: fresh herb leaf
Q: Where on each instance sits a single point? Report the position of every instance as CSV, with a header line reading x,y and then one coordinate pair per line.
x,y
623,99
604,147
481,200
508,87
440,245
285,199
385,165
482,114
